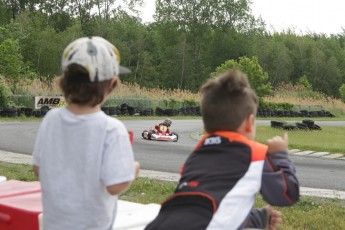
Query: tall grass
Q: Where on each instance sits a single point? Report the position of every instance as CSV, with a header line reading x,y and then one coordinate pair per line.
x,y
126,90
129,93
297,95
303,98
123,90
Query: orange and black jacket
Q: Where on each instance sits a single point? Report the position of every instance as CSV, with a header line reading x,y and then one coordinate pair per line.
x,y
219,182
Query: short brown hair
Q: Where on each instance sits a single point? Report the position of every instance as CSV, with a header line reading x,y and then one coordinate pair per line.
x,y
227,101
77,87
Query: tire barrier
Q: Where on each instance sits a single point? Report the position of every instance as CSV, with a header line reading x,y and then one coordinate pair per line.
x,y
44,110
128,110
28,112
9,112
105,110
290,113
37,113
148,112
171,112
124,109
304,125
278,124
112,111
159,111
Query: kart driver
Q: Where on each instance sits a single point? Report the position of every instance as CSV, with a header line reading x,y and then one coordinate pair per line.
x,y
163,127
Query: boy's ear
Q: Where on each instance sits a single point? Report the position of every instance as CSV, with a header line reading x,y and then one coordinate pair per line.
x,y
113,83
249,123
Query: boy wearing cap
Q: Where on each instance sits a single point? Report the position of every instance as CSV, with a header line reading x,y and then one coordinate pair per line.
x,y
83,157
220,179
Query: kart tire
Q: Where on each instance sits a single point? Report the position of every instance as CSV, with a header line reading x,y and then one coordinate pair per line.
x,y
142,134
149,134
176,138
173,133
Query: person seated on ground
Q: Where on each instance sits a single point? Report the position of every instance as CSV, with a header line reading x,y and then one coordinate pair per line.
x,y
221,177
164,127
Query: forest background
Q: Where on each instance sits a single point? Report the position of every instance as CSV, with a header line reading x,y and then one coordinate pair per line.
x,y
179,50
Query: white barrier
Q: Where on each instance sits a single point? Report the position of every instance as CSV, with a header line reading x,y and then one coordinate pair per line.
x,y
130,216
134,216
3,178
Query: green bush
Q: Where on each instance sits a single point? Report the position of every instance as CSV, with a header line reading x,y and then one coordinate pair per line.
x,y
304,81
4,94
257,77
342,92
275,106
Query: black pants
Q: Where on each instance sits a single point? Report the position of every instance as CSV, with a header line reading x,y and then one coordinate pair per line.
x,y
181,218
197,217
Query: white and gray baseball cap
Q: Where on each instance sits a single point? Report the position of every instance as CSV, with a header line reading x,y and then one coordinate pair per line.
x,y
98,56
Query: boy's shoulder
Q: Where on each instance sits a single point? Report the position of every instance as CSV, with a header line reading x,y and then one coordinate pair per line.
x,y
115,124
219,137
53,113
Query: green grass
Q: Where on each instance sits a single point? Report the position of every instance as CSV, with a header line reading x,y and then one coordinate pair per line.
x,y
145,191
337,118
21,172
329,139
310,213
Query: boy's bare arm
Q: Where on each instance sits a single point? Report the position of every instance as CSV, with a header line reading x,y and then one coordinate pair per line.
x,y
117,189
36,170
136,168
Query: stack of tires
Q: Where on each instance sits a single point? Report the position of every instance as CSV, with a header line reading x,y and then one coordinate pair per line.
x,y
147,112
291,113
304,125
126,109
10,112
159,111
28,112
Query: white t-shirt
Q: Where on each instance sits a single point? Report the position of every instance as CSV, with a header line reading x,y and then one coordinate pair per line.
x,y
78,157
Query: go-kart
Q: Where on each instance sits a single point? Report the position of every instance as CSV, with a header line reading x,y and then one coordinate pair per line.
x,y
152,134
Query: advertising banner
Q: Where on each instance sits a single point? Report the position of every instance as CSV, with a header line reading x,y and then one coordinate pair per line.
x,y
50,101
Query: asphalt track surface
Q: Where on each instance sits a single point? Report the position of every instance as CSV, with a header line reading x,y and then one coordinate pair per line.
x,y
19,137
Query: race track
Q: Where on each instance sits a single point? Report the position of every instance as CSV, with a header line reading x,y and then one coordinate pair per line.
x,y
169,156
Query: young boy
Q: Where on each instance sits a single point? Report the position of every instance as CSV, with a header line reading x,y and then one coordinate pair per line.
x,y
83,157
220,179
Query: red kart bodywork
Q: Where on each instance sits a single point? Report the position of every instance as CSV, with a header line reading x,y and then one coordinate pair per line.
x,y
163,136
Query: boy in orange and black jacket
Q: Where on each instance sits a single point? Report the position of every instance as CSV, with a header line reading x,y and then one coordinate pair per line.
x,y
220,179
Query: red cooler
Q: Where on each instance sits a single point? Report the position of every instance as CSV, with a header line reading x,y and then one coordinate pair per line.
x,y
20,205
16,187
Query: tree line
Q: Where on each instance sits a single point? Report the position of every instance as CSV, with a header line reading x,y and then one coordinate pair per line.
x,y
181,48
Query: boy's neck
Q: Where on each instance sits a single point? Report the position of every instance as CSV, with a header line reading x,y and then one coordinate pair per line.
x,y
83,109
